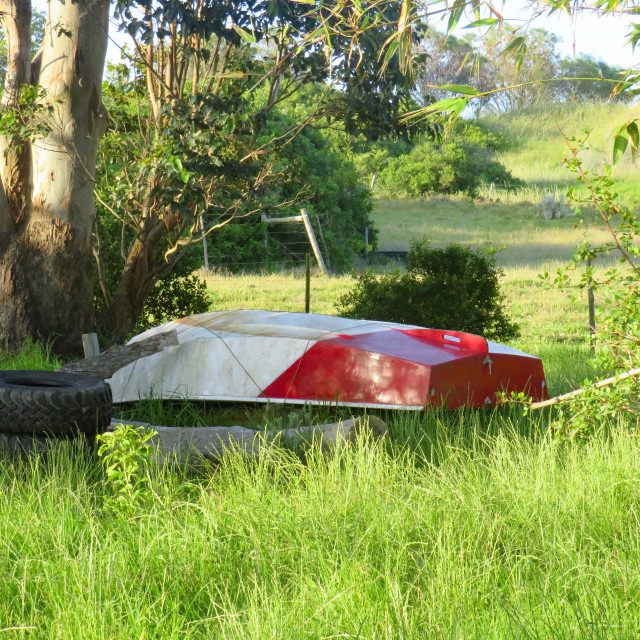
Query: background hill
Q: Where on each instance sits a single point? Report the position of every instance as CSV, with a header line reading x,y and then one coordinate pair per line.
x,y
509,218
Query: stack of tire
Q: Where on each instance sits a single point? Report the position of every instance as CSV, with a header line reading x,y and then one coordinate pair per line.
x,y
38,406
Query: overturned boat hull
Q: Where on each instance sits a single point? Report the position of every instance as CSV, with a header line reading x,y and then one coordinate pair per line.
x,y
264,356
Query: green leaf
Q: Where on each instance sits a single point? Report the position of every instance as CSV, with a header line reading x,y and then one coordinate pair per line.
x,y
245,35
515,46
459,88
460,106
231,75
619,147
389,53
454,18
455,14
634,35
447,105
485,22
176,163
634,137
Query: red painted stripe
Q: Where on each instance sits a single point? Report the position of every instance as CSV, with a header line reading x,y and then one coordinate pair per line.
x,y
335,372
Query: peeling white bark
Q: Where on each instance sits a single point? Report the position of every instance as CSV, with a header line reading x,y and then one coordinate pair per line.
x,y
73,56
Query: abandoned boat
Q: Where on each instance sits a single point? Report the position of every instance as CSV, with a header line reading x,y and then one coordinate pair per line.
x,y
298,358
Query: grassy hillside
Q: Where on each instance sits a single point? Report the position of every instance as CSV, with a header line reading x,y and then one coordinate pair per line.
x,y
517,231
537,149
510,218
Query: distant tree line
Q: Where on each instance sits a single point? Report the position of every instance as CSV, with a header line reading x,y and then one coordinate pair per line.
x,y
533,69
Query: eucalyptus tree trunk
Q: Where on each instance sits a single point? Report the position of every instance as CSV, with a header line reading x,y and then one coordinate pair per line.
x,y
46,196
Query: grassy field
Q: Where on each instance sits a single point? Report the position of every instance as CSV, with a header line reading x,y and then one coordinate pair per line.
x,y
521,237
537,150
485,528
468,524
474,524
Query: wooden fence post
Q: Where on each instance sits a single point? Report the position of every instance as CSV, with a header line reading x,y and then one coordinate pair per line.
x,y
205,249
592,314
307,289
313,241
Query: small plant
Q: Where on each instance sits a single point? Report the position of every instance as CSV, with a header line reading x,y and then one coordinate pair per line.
x,y
174,296
618,335
455,288
125,454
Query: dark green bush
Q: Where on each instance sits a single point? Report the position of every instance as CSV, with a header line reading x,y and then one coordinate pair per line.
x,y
455,288
174,296
450,167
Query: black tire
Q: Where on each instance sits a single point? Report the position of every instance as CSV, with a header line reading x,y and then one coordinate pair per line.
x,y
53,403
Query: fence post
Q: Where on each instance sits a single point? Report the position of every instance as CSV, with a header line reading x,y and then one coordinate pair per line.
x,y
263,219
313,241
204,245
90,345
307,278
324,244
592,314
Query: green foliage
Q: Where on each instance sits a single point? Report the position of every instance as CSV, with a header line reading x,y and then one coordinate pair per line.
x,y
27,120
174,296
125,454
33,355
377,89
313,175
446,168
188,143
618,318
596,81
455,288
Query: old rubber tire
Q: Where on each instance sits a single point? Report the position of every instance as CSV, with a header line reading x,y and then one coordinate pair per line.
x,y
53,403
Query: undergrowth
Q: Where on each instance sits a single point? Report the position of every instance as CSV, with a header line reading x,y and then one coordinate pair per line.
x,y
491,532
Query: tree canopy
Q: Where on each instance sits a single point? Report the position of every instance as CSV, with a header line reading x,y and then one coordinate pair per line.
x,y
189,138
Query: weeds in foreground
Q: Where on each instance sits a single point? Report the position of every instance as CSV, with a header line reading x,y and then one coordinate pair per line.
x,y
126,455
33,355
617,337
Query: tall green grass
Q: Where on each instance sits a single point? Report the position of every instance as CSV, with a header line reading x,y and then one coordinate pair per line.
x,y
33,355
490,533
536,150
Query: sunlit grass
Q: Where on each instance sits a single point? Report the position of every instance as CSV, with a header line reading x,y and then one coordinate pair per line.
x,y
537,150
33,355
520,234
469,524
489,530
277,292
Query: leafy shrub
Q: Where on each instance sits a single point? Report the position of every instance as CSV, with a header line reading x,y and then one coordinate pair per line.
x,y
455,288
450,167
174,296
126,456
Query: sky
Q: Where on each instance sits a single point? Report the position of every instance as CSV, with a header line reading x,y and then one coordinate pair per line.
x,y
601,37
